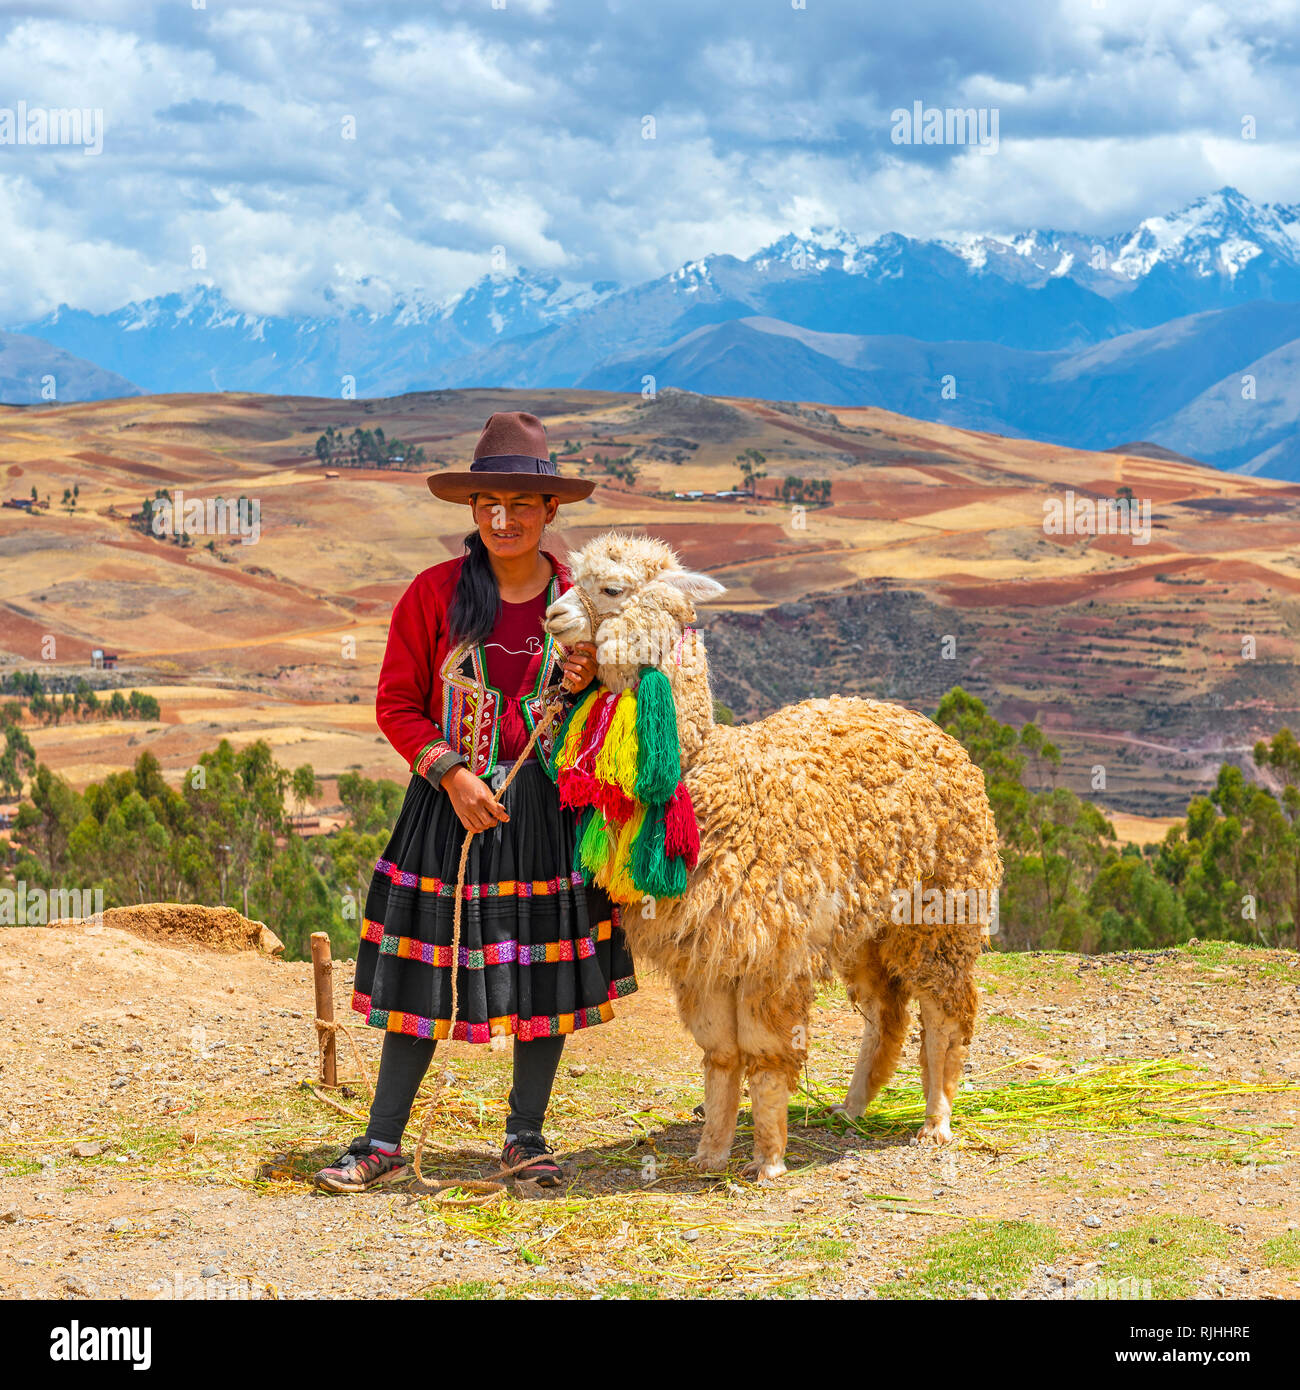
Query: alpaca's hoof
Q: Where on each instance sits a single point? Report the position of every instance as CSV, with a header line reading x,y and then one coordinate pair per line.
x,y
851,1109
934,1132
764,1170
711,1160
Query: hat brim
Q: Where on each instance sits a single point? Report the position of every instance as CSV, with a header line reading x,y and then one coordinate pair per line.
x,y
452,486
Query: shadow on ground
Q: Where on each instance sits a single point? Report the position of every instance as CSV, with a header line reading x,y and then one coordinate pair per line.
x,y
632,1164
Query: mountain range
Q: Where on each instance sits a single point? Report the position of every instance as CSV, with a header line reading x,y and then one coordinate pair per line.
x,y
1184,330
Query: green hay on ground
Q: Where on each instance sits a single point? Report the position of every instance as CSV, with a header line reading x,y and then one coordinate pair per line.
x,y
1155,1098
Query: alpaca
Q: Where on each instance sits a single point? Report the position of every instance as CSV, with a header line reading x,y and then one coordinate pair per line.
x,y
809,820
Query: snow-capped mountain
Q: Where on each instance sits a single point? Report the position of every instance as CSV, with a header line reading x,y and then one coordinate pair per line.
x,y
1009,302
1219,235
196,340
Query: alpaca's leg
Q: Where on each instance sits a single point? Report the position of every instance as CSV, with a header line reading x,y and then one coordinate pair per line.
x,y
883,1005
944,1037
711,1018
773,1044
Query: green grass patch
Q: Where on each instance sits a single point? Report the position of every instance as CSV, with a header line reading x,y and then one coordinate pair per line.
x,y
1021,1024
829,1250
1030,965
1284,1250
1162,1252
12,1166
466,1290
1262,961
832,991
995,1258
480,1290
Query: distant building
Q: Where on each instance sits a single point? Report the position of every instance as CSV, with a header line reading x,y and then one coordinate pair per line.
x,y
310,824
8,814
22,504
102,660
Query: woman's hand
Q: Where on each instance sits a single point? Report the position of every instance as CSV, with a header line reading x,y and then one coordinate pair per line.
x,y
579,666
472,799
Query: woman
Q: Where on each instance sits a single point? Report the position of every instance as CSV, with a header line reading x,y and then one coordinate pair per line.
x,y
467,673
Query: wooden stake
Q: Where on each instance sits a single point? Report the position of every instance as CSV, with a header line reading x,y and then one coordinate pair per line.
x,y
323,973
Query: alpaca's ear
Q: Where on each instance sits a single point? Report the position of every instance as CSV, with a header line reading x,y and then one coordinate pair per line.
x,y
694,586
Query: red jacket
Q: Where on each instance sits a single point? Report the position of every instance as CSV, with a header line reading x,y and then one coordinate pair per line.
x,y
434,704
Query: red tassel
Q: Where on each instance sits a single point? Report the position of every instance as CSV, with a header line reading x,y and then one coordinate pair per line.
x,y
681,832
593,736
576,788
614,802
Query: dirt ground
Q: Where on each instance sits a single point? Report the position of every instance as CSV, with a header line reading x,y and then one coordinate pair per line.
x,y
1127,1128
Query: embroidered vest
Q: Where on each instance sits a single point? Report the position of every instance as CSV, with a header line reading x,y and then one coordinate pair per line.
x,y
471,706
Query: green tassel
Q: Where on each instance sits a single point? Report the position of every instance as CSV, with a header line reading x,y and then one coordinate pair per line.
x,y
594,845
652,871
659,756
583,817
676,878
648,853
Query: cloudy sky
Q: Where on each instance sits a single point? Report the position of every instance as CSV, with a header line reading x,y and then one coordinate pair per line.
x,y
522,126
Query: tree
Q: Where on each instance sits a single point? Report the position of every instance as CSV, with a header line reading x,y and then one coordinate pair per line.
x,y
18,758
751,471
1054,844
53,813
305,786
1282,757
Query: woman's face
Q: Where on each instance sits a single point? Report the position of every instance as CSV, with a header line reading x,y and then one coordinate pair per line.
x,y
511,523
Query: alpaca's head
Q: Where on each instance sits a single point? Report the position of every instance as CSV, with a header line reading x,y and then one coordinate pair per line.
x,y
643,601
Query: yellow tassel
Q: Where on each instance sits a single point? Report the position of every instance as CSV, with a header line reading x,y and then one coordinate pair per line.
x,y
620,886
618,752
601,877
626,753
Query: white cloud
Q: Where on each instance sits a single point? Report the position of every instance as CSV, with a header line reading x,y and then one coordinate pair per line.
x,y
522,127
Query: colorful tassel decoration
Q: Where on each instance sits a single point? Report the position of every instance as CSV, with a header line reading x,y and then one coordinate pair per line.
x,y
595,845
617,759
660,766
574,762
616,763
681,832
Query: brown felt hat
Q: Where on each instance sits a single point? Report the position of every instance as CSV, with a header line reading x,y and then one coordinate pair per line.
x,y
511,456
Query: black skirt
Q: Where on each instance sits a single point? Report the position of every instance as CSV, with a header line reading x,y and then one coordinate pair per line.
x,y
541,952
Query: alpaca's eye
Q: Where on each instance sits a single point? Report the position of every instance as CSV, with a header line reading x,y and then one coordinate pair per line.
x,y
613,593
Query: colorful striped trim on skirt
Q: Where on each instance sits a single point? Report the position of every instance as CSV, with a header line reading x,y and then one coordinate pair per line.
x,y
526,1029
522,888
495,953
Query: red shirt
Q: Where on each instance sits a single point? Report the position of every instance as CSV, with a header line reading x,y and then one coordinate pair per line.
x,y
514,653
438,703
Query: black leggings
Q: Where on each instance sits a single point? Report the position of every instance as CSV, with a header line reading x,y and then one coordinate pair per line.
x,y
405,1059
